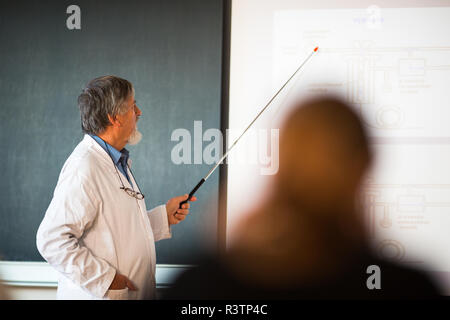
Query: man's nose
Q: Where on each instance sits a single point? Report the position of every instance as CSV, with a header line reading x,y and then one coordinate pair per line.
x,y
138,111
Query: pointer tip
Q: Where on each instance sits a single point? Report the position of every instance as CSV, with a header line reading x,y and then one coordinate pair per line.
x,y
315,50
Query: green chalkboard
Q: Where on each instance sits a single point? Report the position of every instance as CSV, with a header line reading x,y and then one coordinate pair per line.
x,y
171,51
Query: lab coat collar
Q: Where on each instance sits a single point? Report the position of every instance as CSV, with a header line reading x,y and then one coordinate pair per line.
x,y
116,155
98,151
90,142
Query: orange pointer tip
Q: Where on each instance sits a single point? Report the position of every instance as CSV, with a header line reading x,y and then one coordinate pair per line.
x,y
317,48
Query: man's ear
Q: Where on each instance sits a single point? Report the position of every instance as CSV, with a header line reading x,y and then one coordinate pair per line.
x,y
114,121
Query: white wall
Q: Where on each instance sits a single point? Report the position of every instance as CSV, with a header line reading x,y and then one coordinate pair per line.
x,y
38,280
29,293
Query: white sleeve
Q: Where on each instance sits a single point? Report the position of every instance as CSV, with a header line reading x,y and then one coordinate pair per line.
x,y
71,212
160,223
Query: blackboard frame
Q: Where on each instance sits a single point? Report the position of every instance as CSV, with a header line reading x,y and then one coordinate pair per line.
x,y
224,124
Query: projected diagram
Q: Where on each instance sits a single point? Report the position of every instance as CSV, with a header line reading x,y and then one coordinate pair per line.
x,y
397,76
399,89
404,208
388,85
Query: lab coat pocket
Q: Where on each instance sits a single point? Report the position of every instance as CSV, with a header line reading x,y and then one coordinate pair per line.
x,y
121,294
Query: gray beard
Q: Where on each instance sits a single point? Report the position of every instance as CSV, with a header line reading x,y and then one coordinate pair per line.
x,y
135,137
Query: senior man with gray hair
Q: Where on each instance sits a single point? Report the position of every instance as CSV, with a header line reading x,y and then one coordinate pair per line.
x,y
97,232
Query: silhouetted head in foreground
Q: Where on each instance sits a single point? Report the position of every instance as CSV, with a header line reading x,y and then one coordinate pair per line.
x,y
324,153
312,223
307,239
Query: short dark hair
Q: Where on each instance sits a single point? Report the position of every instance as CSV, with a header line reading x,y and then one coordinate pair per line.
x,y
101,97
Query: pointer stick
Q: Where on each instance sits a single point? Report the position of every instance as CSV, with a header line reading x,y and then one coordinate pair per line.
x,y
234,143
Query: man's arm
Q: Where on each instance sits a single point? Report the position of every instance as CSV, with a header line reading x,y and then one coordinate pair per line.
x,y
159,223
71,212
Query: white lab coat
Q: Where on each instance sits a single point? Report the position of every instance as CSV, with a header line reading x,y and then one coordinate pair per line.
x,y
92,229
